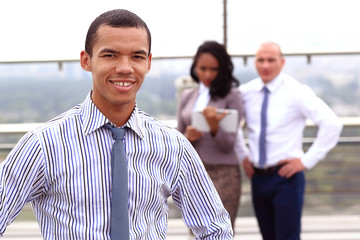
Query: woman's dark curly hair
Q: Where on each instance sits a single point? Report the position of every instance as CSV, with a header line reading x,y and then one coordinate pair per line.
x,y
225,80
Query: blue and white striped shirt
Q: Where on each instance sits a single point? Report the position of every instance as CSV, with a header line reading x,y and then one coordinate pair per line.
x,y
63,169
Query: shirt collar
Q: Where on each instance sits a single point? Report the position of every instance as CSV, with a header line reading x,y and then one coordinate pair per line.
x,y
135,122
93,119
203,89
273,85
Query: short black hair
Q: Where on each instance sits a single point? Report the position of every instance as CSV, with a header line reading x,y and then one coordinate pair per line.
x,y
114,18
225,80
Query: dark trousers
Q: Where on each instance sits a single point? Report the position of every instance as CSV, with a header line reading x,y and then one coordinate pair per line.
x,y
278,205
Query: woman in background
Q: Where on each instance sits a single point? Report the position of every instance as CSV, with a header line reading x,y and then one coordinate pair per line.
x,y
212,68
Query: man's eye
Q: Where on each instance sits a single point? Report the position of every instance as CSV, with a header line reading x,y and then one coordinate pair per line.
x,y
109,55
139,57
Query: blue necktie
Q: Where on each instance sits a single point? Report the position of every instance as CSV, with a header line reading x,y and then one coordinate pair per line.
x,y
119,222
262,145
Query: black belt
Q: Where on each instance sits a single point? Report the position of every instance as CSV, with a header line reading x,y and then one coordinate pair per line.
x,y
269,170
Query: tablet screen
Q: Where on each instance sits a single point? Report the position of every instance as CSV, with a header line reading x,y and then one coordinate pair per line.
x,y
229,123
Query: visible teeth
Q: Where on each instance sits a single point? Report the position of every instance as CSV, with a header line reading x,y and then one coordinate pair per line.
x,y
123,84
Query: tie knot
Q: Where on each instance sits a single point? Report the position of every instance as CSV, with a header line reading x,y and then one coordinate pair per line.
x,y
266,90
118,133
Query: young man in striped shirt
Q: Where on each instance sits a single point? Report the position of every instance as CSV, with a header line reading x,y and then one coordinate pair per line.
x,y
63,168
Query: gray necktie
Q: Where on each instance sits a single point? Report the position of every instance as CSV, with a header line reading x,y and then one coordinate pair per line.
x,y
262,143
119,200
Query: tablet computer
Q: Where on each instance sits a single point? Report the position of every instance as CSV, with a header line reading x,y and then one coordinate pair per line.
x,y
229,123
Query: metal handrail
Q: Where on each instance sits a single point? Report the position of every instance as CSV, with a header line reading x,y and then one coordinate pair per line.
x,y
154,57
22,128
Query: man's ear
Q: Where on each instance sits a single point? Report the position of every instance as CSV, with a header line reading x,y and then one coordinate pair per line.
x,y
85,61
282,61
149,62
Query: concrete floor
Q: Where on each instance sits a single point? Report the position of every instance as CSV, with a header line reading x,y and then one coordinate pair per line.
x,y
314,228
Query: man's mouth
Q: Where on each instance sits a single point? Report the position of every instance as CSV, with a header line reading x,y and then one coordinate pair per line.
x,y
123,84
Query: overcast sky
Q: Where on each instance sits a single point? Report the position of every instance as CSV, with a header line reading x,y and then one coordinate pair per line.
x,y
55,30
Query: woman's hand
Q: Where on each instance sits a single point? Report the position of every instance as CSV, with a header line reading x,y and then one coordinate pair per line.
x,y
213,118
192,134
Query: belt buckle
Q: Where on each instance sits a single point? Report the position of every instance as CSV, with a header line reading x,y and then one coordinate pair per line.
x,y
269,170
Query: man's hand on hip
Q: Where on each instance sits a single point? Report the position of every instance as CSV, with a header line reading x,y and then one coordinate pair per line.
x,y
248,168
291,166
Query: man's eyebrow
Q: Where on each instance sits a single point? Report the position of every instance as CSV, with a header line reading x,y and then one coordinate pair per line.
x,y
143,52
109,50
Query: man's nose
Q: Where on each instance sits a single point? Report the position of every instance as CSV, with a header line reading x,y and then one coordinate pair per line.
x,y
124,65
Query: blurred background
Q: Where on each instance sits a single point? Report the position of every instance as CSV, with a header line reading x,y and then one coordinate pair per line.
x,y
40,74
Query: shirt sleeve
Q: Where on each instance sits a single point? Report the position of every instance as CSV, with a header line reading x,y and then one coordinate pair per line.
x,y
240,147
21,178
181,126
198,200
227,141
329,124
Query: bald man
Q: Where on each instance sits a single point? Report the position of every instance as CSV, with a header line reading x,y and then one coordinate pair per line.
x,y
277,107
